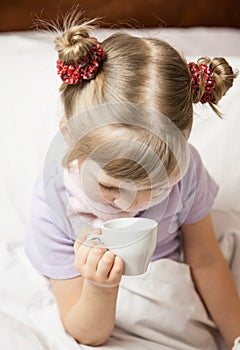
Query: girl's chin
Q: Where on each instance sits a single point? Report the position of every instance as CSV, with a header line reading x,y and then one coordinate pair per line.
x,y
119,209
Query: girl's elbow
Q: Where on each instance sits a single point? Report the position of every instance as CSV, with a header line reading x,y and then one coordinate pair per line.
x,y
88,337
91,341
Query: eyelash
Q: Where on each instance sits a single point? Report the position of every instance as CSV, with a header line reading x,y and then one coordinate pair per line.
x,y
105,188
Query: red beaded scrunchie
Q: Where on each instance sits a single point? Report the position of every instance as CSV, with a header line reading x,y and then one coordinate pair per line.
x,y
205,73
85,69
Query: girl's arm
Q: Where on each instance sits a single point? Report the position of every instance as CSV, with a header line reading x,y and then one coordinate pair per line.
x,y
87,304
212,277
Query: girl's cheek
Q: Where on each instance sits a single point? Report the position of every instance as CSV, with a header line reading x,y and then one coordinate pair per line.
x,y
94,193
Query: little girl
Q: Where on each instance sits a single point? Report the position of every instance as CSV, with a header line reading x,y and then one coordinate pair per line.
x,y
128,113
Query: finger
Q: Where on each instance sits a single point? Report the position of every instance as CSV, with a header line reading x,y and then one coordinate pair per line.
x,y
83,252
85,231
80,239
76,246
116,271
79,242
95,254
105,264
92,230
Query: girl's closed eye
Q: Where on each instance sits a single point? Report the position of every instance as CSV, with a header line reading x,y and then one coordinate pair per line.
x,y
107,188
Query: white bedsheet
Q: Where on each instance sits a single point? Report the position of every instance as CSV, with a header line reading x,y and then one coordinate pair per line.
x,y
29,114
158,310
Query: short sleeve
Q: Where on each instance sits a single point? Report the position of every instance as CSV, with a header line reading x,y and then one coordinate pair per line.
x,y
198,189
48,245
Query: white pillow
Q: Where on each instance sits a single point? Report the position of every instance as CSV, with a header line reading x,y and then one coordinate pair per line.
x,y
30,112
218,142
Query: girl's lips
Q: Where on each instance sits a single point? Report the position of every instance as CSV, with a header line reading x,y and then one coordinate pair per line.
x,y
115,207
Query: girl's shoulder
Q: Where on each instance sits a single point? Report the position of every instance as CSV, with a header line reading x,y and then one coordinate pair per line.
x,y
49,195
195,169
198,189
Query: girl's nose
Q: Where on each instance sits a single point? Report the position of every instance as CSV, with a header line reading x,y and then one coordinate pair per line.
x,y
125,201
116,197
111,197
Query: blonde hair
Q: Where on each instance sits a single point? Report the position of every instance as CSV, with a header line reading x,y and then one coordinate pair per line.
x,y
147,73
223,78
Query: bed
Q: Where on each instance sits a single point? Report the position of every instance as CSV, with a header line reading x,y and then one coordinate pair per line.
x,y
30,113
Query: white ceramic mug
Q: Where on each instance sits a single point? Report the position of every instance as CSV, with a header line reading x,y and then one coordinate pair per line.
x,y
132,239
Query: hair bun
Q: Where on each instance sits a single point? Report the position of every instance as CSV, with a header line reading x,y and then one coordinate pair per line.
x,y
223,80
75,43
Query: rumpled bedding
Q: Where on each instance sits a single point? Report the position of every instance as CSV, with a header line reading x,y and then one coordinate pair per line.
x,y
158,310
155,308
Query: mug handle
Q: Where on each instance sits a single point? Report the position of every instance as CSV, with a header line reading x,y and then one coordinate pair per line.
x,y
94,237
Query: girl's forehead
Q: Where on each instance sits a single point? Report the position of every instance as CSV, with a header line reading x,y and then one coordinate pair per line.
x,y
91,168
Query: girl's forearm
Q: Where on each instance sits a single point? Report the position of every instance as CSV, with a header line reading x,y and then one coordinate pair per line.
x,y
216,286
91,319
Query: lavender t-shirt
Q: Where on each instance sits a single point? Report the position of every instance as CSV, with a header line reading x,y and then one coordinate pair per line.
x,y
50,237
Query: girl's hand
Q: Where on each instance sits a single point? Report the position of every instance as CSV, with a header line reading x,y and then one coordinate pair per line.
x,y
97,264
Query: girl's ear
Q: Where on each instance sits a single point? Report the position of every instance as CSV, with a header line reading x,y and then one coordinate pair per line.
x,y
64,128
62,121
186,133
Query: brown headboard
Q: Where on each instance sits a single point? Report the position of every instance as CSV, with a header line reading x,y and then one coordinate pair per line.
x,y
19,15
